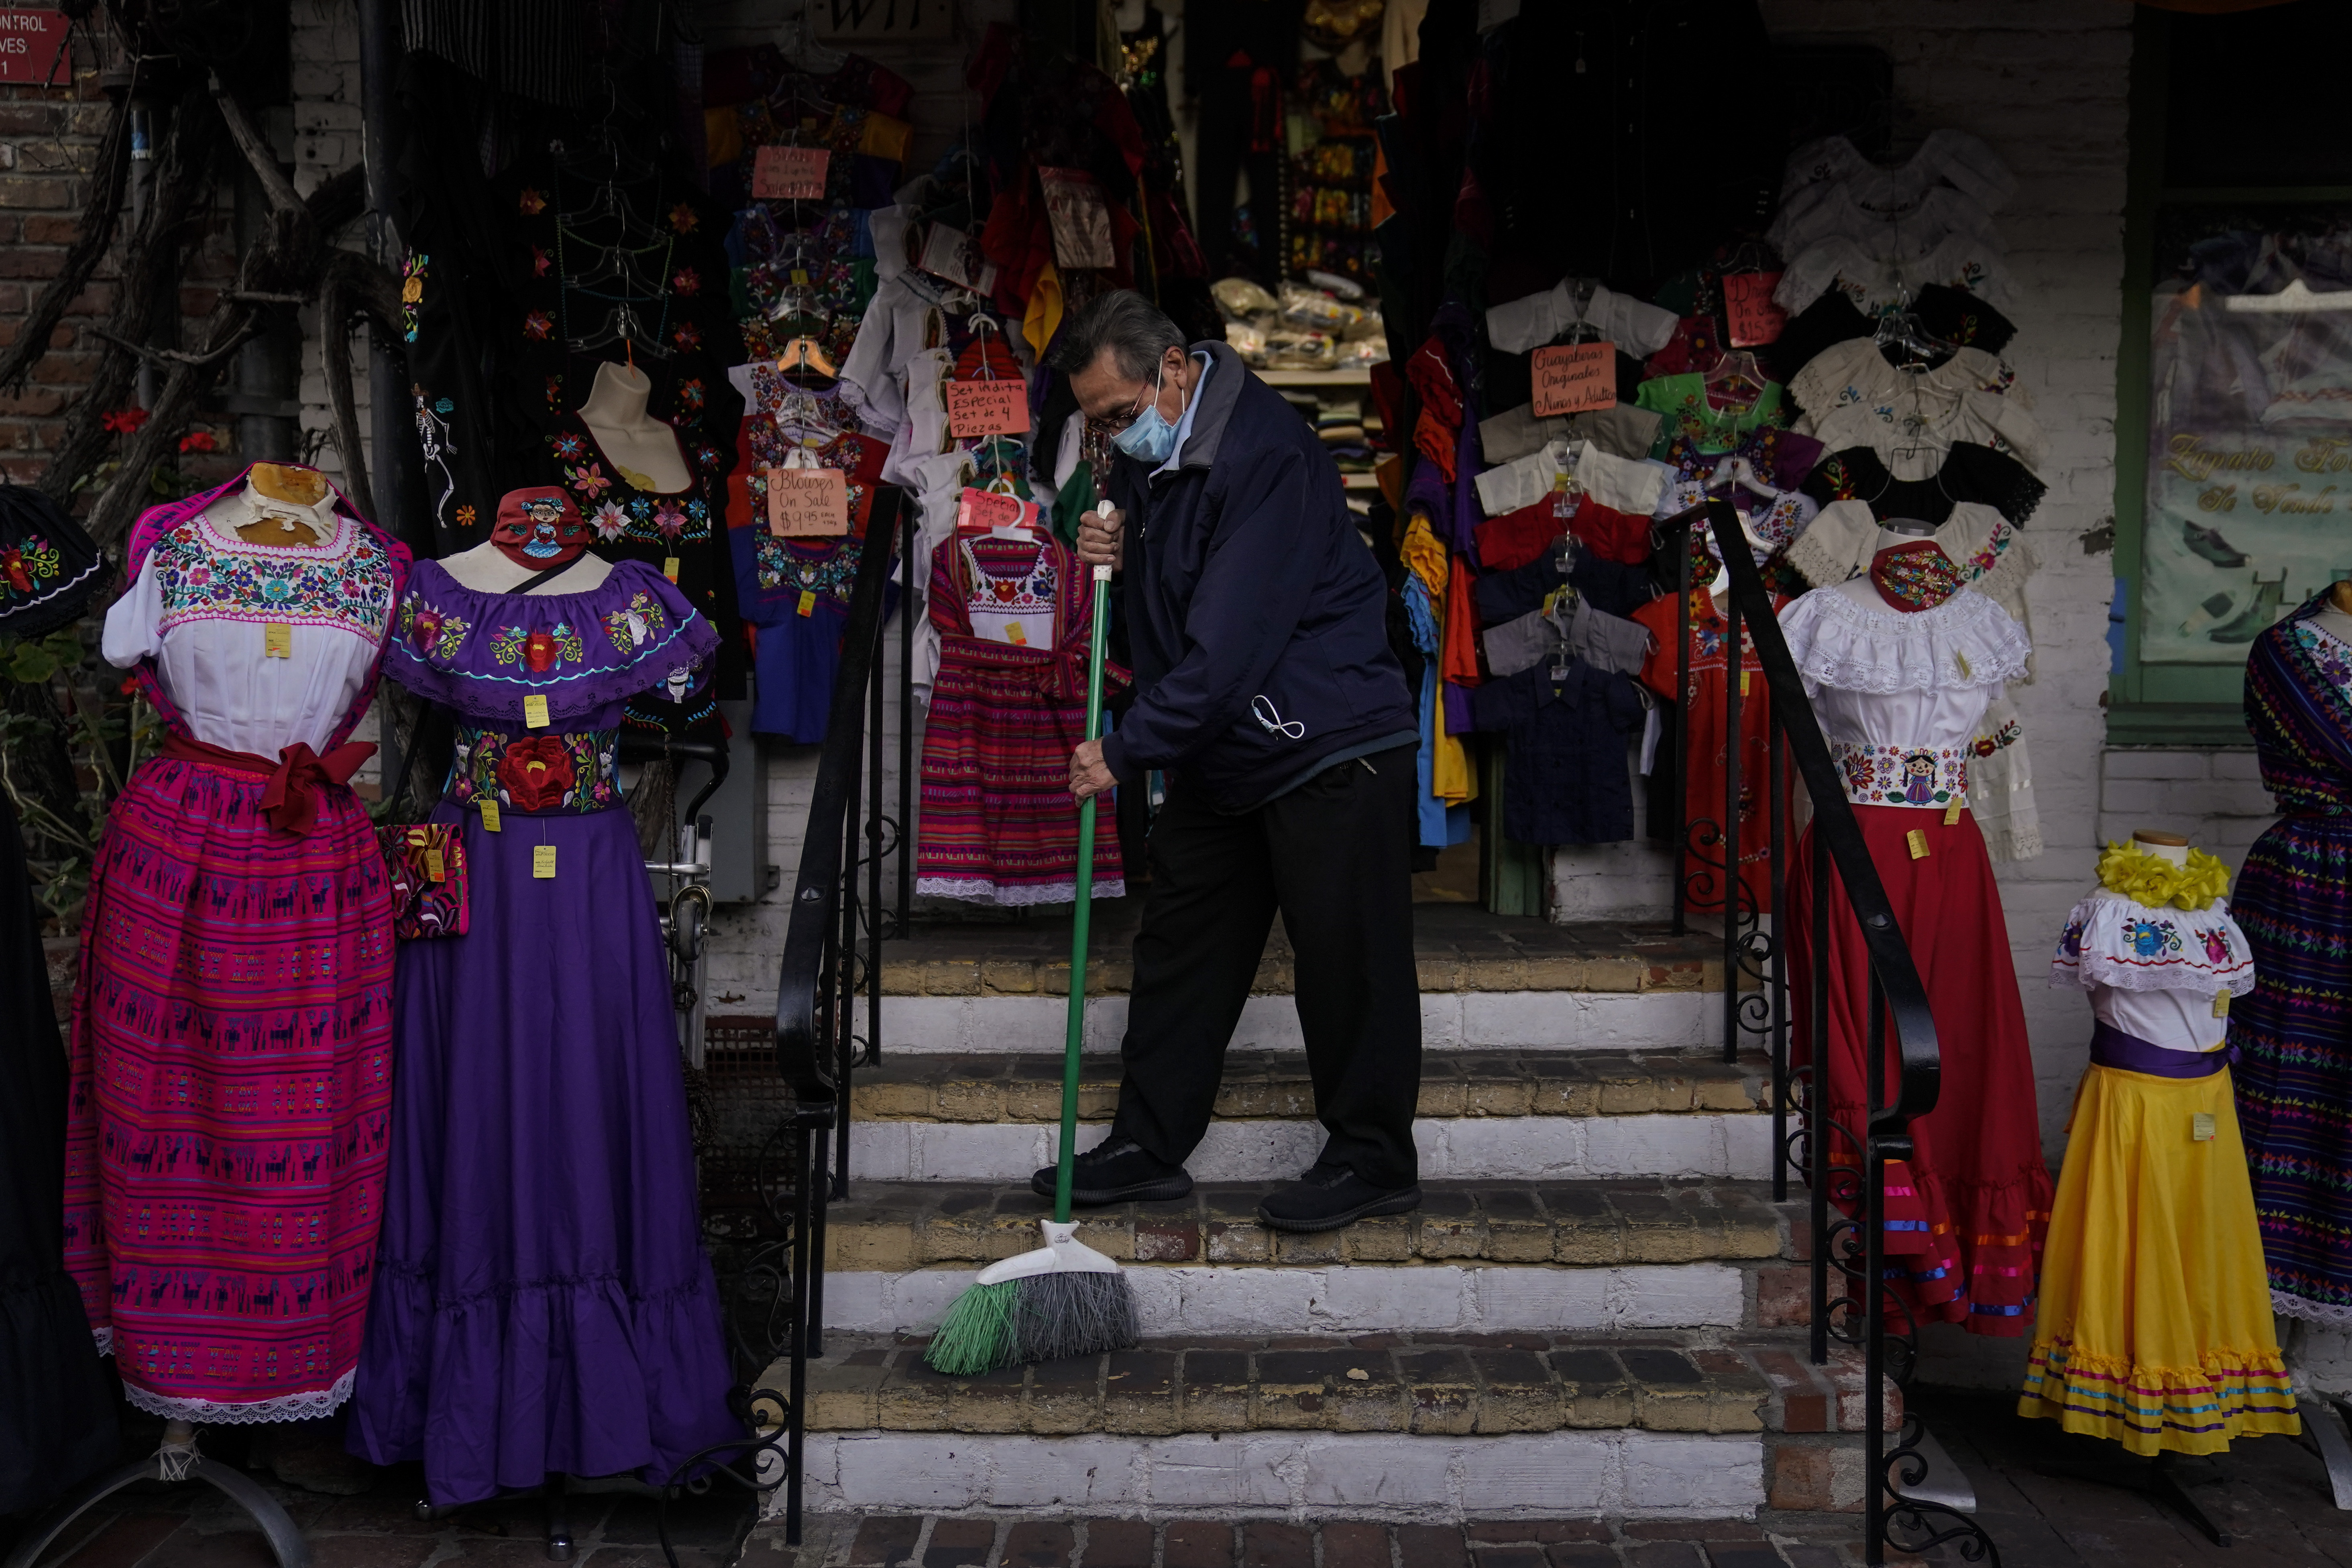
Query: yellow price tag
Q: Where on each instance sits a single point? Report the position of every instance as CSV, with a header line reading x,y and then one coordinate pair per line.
x,y
1966,673
490,815
669,567
2201,1126
2222,1003
433,865
534,711
1015,634
1917,840
1743,682
808,601
276,640
543,862
1952,811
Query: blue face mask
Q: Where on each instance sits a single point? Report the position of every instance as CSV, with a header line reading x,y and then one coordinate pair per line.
x,y
1150,437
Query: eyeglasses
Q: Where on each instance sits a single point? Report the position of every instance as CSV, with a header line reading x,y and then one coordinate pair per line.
x,y
1112,424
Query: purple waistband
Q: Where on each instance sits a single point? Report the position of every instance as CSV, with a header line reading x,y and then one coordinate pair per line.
x,y
2111,1048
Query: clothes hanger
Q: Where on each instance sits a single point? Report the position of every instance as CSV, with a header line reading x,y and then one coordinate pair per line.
x,y
621,325
1736,369
1736,470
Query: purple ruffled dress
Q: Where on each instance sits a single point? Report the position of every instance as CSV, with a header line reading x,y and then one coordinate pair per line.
x,y
540,1304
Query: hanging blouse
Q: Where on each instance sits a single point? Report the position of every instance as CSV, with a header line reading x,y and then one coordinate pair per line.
x,y
1876,278
1691,415
1969,473
1948,157
1913,429
1636,327
205,607
1993,557
1837,212
1615,482
1900,694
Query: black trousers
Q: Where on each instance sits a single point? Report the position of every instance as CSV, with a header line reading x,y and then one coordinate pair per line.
x,y
1334,855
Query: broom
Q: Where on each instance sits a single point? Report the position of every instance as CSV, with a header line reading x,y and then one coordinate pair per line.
x,y
1063,1299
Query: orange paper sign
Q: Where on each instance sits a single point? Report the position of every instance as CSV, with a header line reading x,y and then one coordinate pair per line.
x,y
985,512
1575,379
789,173
1752,317
987,408
808,502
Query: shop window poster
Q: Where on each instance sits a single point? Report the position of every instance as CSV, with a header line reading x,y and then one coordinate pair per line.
x,y
2249,504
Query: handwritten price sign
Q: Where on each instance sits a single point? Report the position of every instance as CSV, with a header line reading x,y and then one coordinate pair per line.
x,y
1753,319
985,511
987,408
808,503
789,173
1575,379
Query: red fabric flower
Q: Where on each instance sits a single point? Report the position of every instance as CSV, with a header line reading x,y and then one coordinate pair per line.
x,y
537,324
532,202
199,441
687,281
122,421
535,772
538,651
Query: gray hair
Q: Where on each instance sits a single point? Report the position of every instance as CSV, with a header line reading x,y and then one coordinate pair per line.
x,y
1135,333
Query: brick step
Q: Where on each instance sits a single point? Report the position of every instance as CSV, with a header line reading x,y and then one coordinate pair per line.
x,y
1414,1427
1026,1087
896,1226
1736,1146
1486,982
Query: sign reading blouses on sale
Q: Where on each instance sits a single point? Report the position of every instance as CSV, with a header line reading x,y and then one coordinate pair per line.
x,y
789,173
987,408
32,47
808,503
1748,306
1575,378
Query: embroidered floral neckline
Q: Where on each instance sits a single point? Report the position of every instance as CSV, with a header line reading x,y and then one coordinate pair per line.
x,y
2153,880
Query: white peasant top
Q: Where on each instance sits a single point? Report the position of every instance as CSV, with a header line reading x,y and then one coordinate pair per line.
x,y
2153,972
1615,482
1853,398
202,608
1901,695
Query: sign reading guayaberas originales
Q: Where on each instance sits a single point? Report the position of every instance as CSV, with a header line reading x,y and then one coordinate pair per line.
x,y
998,408
1575,378
33,47
2248,498
808,503
882,21
789,173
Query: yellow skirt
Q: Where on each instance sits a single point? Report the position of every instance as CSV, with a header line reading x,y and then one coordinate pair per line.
x,y
2155,1324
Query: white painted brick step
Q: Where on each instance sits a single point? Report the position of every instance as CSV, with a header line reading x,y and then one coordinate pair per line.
x,y
1175,1299
1616,1473
1467,1020
1476,1148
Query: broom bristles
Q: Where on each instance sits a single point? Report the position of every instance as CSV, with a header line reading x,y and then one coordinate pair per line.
x,y
1044,1317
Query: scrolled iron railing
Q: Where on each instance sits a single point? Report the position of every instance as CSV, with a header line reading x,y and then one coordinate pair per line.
x,y
1847,1201
832,953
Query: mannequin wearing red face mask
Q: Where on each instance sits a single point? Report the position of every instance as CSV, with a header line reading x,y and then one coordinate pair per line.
x,y
1909,572
538,529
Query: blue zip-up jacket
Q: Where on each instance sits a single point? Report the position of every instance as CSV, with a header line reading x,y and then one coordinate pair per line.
x,y
1256,617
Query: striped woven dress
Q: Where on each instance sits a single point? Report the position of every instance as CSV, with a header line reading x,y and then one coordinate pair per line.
x,y
231,1054
2294,1033
998,825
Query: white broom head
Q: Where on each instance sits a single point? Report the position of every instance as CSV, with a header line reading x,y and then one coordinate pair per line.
x,y
1063,1253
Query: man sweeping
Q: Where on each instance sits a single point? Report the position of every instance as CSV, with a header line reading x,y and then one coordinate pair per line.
x,y
1266,694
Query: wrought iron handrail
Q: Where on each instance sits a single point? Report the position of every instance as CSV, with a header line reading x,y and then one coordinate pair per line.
x,y
815,988
1854,1243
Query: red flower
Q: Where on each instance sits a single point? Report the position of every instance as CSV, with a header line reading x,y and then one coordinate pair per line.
x,y
19,575
538,651
199,441
535,771
540,262
537,324
683,218
422,629
532,202
687,281
122,421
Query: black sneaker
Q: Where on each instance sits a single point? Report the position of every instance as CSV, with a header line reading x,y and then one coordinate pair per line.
x,y
1116,1171
1330,1196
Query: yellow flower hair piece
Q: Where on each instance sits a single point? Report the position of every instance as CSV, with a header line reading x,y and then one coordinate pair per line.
x,y
2153,880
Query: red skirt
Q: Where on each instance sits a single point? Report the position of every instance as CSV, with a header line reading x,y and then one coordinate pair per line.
x,y
1965,1217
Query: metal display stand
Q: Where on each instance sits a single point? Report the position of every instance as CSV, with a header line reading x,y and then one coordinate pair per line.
x,y
178,1460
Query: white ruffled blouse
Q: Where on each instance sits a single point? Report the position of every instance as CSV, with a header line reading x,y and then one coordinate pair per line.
x,y
1613,481
1901,695
2153,972
202,608
1853,398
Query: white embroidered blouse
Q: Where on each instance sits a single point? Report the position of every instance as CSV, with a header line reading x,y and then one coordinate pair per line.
x,y
2153,972
1901,696
203,604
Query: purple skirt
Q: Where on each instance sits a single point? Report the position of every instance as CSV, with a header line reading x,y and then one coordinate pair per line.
x,y
540,1304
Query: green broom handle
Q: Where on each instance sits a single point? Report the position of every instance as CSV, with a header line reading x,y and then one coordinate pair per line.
x,y
1075,1038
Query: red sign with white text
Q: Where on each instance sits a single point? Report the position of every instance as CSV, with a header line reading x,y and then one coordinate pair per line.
x,y
33,47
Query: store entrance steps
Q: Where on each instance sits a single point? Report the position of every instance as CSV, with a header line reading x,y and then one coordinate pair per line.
x,y
1598,1310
